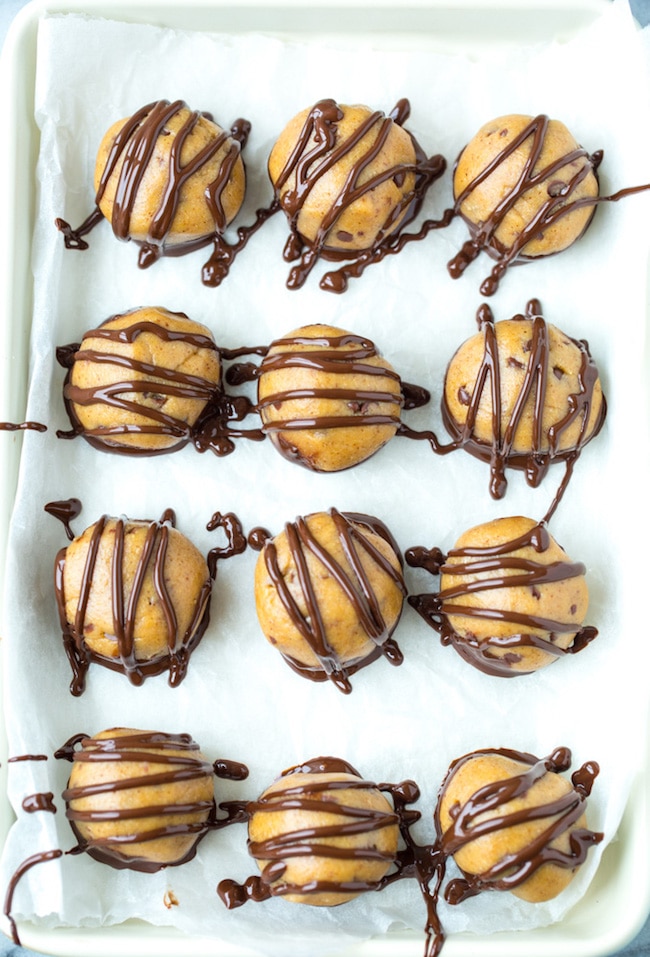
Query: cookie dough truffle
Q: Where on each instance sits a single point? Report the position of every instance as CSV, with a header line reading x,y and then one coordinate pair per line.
x,y
526,189
167,177
329,593
140,382
320,835
521,393
328,400
511,601
513,823
348,178
133,596
139,799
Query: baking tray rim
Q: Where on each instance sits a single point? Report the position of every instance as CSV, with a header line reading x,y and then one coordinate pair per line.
x,y
586,931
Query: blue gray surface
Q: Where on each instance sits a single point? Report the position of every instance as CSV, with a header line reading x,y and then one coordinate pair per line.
x,y
640,946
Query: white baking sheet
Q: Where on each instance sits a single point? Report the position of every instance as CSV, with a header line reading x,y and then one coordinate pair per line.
x,y
239,699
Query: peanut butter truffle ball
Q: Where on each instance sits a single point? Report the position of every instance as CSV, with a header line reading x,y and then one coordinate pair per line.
x,y
512,822
169,178
511,601
319,842
525,188
348,178
139,383
133,596
329,593
328,400
549,400
139,799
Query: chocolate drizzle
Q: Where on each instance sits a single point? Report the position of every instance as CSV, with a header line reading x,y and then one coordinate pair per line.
x,y
134,147
317,150
65,511
479,570
41,858
153,553
469,822
354,584
213,429
41,801
500,451
22,427
425,863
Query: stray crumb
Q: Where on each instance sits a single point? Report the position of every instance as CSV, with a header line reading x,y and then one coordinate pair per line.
x,y
170,900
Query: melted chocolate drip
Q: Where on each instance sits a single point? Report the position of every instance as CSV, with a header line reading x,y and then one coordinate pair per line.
x,y
39,802
134,145
505,571
499,452
518,866
235,539
65,511
26,865
257,538
355,585
310,163
179,647
213,429
22,427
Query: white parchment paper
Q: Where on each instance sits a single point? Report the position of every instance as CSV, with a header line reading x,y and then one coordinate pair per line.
x,y
239,699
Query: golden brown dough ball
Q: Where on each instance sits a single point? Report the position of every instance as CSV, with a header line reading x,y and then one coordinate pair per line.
x,y
329,593
139,799
341,139
169,178
549,394
328,400
139,383
348,178
525,188
133,596
512,822
511,600
310,807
